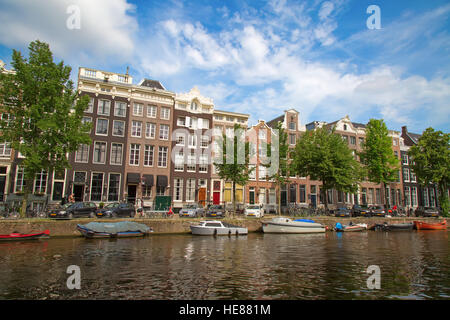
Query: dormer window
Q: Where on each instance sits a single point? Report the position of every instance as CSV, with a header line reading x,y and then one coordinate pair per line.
x,y
345,127
194,106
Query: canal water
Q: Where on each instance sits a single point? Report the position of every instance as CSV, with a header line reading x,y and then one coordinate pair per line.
x,y
413,265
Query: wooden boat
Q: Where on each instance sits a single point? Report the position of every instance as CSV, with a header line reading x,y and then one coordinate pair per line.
x,y
350,228
419,225
209,228
16,236
392,227
286,225
122,229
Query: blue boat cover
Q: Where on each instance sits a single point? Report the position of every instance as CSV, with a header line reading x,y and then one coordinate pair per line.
x,y
305,220
116,227
338,226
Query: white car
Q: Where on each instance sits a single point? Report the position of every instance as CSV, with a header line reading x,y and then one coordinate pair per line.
x,y
254,210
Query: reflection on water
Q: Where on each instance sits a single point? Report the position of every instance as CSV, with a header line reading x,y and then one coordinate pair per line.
x,y
414,265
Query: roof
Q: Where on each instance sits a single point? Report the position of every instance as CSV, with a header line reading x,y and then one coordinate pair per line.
x,y
272,123
152,84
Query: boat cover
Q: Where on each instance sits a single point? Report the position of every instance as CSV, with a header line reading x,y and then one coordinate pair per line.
x,y
305,220
116,227
338,226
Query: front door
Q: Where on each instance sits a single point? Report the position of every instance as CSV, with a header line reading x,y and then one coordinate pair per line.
x,y
202,196
216,197
2,188
313,200
78,191
131,193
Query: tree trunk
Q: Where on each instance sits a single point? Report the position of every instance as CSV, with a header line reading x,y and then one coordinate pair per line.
x,y
443,199
27,189
234,199
279,199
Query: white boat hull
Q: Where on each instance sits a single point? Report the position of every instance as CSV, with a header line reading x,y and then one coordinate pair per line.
x,y
292,227
220,231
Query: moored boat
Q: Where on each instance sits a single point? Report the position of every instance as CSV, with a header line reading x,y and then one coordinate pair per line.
x,y
209,228
287,225
122,229
16,236
420,225
350,228
392,227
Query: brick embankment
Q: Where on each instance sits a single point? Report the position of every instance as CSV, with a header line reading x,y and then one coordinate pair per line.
x,y
174,225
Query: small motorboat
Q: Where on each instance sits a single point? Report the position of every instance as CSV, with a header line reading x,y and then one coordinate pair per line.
x,y
286,225
350,228
122,229
209,228
419,225
392,227
16,236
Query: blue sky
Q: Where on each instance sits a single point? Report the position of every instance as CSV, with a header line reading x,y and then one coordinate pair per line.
x,y
261,57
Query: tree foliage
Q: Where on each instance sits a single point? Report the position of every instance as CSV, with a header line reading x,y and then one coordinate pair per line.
x,y
431,162
232,161
45,114
377,156
324,156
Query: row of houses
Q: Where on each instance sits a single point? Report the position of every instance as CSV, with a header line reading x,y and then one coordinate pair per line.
x,y
153,144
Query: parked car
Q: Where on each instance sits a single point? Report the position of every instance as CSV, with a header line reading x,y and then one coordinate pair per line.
x,y
360,211
116,209
192,210
254,210
427,212
342,212
215,211
71,210
377,211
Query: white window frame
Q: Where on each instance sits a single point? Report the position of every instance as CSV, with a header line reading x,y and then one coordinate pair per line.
x,y
111,154
114,127
133,159
101,104
93,153
116,104
96,127
138,109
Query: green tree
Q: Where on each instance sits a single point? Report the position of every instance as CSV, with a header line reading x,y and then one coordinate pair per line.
x,y
377,155
281,158
45,114
431,162
324,156
232,161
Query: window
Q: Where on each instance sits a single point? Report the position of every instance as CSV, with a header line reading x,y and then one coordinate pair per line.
x,y
90,73
118,128
361,141
180,139
407,196
352,140
395,142
292,125
191,162
181,121
165,113
96,186
345,138
134,154
363,196
292,139
151,111
203,164
252,175
163,132
192,140
138,109
302,189
194,106
406,174
99,152
262,173
102,127
413,176
103,107
413,196
116,153
5,149
179,161
85,120
262,133
82,154
190,190
120,109
40,182
205,123
90,107
178,189
149,155
204,141
150,130
20,181
345,127
136,129
405,159
114,185
162,157
426,202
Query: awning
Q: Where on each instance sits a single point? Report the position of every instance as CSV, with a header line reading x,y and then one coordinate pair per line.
x,y
148,180
162,181
133,178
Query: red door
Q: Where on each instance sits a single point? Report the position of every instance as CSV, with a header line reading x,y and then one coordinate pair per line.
x,y
216,198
